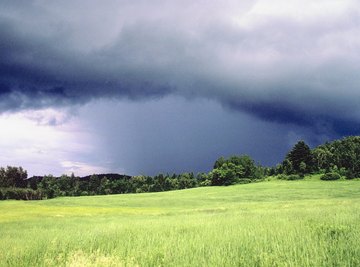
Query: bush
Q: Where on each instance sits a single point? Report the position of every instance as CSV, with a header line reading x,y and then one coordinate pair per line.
x,y
205,183
293,177
20,193
331,176
84,193
290,177
244,181
350,175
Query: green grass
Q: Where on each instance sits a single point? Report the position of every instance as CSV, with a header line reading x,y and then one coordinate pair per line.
x,y
274,223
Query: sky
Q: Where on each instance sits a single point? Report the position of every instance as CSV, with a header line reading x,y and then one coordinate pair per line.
x,y
143,87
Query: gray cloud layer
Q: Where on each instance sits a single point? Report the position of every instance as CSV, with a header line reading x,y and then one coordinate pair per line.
x,y
287,67
172,134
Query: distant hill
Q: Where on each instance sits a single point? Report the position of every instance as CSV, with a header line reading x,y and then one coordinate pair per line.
x,y
110,176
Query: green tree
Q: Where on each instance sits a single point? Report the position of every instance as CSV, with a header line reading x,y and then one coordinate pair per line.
x,y
219,162
94,184
65,184
203,179
287,166
302,168
13,177
187,180
323,158
279,169
300,153
226,174
75,185
50,186
247,164
105,186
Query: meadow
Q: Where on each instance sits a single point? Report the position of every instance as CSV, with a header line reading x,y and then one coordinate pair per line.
x,y
273,223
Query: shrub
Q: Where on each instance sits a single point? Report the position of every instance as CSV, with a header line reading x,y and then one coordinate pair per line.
x,y
281,177
350,175
244,181
84,193
20,193
293,177
330,176
290,177
139,190
205,183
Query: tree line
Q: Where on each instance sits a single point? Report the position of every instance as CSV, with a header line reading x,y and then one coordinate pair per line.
x,y
340,158
14,183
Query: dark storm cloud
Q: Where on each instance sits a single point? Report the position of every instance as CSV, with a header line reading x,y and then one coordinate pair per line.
x,y
172,134
285,68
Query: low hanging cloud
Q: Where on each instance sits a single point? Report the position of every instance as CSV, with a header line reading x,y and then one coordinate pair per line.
x,y
288,63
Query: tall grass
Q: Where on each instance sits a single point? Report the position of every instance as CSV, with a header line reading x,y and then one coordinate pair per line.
x,y
276,223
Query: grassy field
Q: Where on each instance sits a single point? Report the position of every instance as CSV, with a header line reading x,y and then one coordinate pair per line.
x,y
274,223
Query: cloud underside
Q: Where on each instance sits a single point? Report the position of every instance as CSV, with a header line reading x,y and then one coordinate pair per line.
x,y
287,67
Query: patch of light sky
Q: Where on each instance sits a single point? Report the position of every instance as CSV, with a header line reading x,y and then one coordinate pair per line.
x,y
296,9
46,141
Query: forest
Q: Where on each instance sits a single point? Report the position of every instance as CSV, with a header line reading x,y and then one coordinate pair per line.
x,y
339,159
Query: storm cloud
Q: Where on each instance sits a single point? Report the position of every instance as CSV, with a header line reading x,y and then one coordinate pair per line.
x,y
268,59
289,63
143,87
